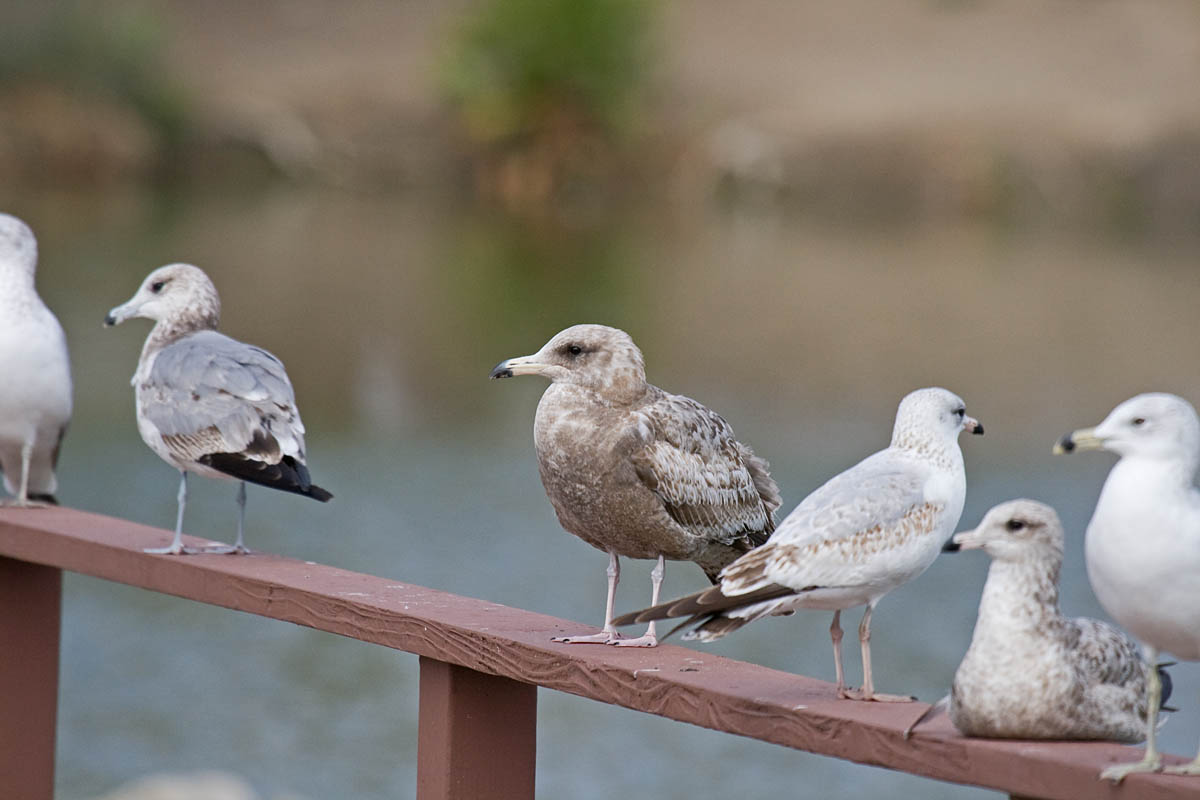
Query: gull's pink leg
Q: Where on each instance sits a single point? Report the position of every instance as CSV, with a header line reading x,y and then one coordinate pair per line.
x,y
868,691
835,635
609,633
649,638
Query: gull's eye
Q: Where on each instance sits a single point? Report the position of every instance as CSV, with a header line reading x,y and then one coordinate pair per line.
x,y
157,286
1139,421
960,412
574,349
1015,525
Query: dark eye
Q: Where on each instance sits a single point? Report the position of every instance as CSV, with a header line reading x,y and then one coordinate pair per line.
x,y
574,349
1139,420
959,412
1015,525
157,286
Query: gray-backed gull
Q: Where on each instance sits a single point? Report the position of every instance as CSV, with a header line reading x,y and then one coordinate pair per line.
x,y
872,528
210,404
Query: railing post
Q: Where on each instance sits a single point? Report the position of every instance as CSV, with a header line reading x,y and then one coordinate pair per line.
x,y
477,735
30,606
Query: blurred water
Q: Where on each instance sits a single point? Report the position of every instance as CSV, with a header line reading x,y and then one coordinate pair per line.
x,y
389,312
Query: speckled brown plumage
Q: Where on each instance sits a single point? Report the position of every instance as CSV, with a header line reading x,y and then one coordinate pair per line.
x,y
636,471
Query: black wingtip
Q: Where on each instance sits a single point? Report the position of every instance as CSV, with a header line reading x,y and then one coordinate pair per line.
x,y
317,493
288,475
1164,678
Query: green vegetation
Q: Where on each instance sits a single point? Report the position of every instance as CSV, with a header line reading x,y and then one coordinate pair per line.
x,y
516,67
96,51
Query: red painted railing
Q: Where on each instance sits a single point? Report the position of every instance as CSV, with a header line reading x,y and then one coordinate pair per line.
x,y
480,666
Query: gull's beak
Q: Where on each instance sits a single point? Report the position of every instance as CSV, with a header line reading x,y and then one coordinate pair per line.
x,y
120,314
964,540
973,425
1082,439
522,365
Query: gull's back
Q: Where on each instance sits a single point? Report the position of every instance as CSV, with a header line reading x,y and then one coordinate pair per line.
x,y
207,393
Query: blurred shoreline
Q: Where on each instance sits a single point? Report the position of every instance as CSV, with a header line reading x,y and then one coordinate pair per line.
x,y
1024,114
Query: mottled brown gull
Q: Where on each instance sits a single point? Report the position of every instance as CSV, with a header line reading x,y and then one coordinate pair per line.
x,y
35,374
1030,672
636,471
1143,543
870,529
210,404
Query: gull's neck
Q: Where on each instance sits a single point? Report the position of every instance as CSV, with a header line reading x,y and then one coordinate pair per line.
x,y
171,329
1020,596
944,453
16,282
1162,474
620,389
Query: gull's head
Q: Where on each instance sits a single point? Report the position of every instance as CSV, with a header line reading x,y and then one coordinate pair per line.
x,y
177,294
931,417
1016,531
1156,425
596,357
18,248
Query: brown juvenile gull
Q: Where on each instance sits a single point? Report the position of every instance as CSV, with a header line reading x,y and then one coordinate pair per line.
x,y
35,374
875,526
1143,543
210,404
1030,672
636,471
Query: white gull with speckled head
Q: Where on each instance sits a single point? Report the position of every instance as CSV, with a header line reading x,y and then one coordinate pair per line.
x,y
870,529
210,404
35,374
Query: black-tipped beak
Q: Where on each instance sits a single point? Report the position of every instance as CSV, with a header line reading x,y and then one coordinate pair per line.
x,y
1066,444
501,370
109,321
978,429
951,546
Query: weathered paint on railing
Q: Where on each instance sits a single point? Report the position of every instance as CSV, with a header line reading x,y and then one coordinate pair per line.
x,y
464,642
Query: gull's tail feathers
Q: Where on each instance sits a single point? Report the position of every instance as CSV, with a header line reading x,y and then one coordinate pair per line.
x,y
713,613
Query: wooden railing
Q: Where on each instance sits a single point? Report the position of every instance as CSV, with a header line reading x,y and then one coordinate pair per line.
x,y
480,666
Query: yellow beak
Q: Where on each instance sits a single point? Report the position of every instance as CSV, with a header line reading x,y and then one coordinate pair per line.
x,y
1082,439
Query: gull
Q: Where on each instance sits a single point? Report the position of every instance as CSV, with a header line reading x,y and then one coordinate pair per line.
x,y
35,374
210,404
1030,672
870,529
636,471
1143,543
